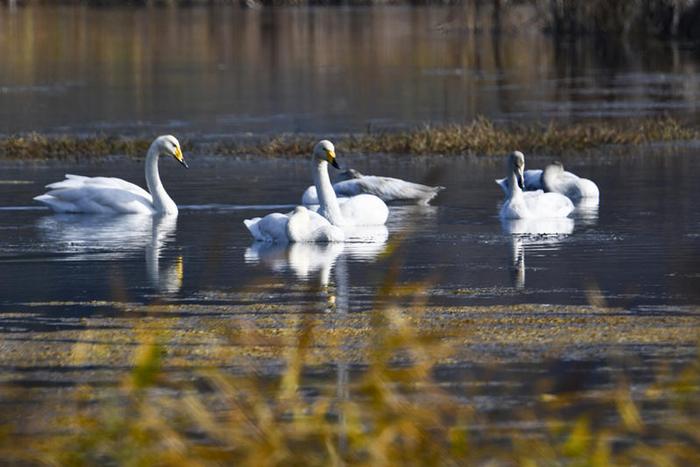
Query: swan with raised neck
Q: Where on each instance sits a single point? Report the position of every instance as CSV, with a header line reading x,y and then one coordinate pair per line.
x,y
110,195
516,170
166,145
323,154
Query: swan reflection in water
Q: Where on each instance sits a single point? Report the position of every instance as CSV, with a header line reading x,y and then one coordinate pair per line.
x,y
412,217
168,279
305,260
308,261
586,211
110,237
533,232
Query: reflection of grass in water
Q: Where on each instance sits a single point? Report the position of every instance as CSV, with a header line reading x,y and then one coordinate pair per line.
x,y
393,410
478,137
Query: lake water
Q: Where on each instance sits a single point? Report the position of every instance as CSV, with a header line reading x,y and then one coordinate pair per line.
x,y
229,72
639,247
620,279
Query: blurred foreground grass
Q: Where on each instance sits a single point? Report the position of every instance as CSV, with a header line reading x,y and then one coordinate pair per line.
x,y
389,409
481,137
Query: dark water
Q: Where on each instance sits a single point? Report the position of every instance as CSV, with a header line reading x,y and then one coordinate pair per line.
x,y
228,71
640,247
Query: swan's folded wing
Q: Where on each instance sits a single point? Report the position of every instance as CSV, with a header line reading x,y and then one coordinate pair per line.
x,y
386,188
543,205
365,210
310,199
79,181
96,195
320,230
310,196
271,228
97,200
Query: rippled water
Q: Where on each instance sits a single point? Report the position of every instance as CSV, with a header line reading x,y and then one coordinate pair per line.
x,y
228,71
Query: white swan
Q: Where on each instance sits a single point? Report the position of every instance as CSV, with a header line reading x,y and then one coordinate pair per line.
x,y
387,189
532,181
532,204
298,226
304,225
556,180
107,195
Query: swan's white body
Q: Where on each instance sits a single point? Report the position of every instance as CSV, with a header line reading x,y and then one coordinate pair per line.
x,y
532,179
300,225
107,195
324,222
534,204
556,180
385,188
359,210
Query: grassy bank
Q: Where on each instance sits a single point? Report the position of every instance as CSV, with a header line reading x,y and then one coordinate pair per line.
x,y
480,137
391,410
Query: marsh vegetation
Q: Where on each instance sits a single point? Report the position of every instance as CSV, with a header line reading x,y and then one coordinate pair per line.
x,y
380,388
480,137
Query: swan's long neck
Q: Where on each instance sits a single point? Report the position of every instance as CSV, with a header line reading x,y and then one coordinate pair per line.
x,y
162,203
515,191
330,209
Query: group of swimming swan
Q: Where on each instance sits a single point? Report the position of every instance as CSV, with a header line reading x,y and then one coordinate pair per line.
x,y
328,212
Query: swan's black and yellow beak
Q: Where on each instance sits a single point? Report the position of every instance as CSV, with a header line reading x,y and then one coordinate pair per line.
x,y
330,157
520,176
180,158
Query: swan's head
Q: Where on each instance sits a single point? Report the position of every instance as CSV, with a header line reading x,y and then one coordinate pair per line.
x,y
349,174
516,165
325,151
168,145
554,168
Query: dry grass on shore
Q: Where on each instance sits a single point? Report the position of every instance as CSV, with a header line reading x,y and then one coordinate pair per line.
x,y
480,137
388,415
391,411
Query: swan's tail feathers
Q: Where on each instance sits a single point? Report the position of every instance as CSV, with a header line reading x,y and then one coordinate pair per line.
x,y
430,193
435,191
55,203
252,226
503,184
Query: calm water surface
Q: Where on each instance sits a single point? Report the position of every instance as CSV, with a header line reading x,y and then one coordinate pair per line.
x,y
639,247
228,72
